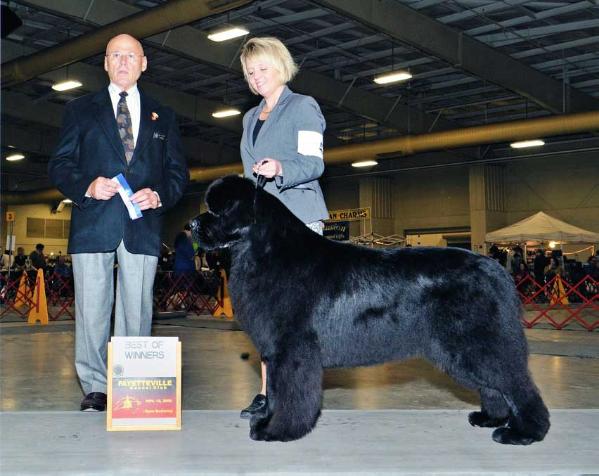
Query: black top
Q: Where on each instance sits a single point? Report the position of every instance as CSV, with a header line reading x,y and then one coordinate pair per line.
x,y
257,128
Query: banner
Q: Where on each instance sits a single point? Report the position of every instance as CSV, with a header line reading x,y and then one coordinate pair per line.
x,y
351,214
144,384
338,230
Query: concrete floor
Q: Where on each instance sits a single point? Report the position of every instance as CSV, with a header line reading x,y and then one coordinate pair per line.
x,y
404,417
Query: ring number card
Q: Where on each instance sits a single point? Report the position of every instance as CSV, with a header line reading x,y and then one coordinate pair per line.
x,y
144,384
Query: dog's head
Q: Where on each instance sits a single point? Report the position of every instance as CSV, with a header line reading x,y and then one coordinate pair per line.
x,y
230,202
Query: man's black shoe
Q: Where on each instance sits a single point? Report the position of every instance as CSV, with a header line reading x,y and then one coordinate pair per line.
x,y
94,402
257,407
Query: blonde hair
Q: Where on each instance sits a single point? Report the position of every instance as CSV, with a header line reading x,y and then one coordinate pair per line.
x,y
273,51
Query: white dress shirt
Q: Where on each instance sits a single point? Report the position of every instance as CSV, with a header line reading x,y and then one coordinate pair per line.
x,y
133,103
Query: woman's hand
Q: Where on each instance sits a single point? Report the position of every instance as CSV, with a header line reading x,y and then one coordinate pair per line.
x,y
268,167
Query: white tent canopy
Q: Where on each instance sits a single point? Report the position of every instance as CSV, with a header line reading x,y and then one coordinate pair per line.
x,y
541,227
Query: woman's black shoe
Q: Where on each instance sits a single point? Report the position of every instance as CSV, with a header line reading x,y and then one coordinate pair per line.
x,y
258,406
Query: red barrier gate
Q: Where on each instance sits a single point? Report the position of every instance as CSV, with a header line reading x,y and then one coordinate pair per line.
x,y
61,296
557,303
560,303
16,293
195,292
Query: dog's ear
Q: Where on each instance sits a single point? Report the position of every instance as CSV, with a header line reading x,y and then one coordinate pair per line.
x,y
224,193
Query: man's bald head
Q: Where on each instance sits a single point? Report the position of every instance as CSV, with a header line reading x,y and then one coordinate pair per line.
x,y
124,37
124,61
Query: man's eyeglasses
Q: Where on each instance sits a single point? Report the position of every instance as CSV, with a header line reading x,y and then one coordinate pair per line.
x,y
117,56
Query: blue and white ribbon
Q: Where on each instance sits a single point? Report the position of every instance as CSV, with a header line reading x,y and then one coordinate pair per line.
x,y
125,192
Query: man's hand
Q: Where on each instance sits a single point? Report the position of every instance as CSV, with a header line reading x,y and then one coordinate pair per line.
x,y
145,198
268,167
102,189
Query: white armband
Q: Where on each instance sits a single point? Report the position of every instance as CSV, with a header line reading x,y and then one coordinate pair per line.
x,y
309,143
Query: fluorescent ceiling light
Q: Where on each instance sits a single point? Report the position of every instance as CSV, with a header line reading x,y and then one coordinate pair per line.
x,y
364,163
66,85
226,113
15,157
527,143
392,77
228,34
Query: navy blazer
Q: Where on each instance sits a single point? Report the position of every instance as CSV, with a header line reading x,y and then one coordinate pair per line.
x,y
89,146
283,135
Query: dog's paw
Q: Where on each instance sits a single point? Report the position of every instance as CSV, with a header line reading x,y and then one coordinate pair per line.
x,y
484,420
261,434
508,436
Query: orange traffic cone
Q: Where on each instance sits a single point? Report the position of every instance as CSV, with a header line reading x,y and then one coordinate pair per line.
x,y
224,309
39,309
558,293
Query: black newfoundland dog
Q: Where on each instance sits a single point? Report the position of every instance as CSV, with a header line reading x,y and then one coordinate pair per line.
x,y
309,303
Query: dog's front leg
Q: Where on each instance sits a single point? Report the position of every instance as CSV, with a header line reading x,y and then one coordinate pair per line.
x,y
294,390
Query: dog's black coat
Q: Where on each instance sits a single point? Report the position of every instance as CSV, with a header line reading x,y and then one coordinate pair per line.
x,y
308,303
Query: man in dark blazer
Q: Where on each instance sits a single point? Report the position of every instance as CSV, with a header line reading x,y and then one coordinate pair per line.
x,y
118,130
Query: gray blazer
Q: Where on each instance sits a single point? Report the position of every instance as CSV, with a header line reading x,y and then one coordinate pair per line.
x,y
292,134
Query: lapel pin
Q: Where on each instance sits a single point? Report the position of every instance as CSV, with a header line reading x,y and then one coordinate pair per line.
x,y
154,116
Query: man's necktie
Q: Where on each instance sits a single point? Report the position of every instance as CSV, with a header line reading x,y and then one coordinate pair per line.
x,y
123,120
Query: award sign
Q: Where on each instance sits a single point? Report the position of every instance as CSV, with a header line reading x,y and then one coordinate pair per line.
x,y
144,384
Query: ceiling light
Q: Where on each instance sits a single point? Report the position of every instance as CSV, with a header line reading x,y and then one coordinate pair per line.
x,y
364,163
228,34
66,85
527,143
392,77
15,157
226,113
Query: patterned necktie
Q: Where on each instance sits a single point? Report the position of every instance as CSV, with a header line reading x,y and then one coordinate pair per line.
x,y
123,120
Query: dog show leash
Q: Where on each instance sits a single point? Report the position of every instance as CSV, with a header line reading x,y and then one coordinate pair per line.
x,y
260,183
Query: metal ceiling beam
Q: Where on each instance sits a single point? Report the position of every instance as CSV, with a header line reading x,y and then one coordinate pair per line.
x,y
38,141
95,78
192,43
469,54
407,145
526,34
42,142
145,23
541,15
50,114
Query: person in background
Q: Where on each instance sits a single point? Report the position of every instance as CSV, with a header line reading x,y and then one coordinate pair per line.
x,y
184,252
283,141
20,259
5,261
539,264
118,131
183,268
522,284
554,268
61,268
37,258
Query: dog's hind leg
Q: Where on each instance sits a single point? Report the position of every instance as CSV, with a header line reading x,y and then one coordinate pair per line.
x,y
529,418
494,410
294,390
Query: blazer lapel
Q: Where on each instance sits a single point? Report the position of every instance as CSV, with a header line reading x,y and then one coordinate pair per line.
x,y
146,126
105,116
249,137
272,118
